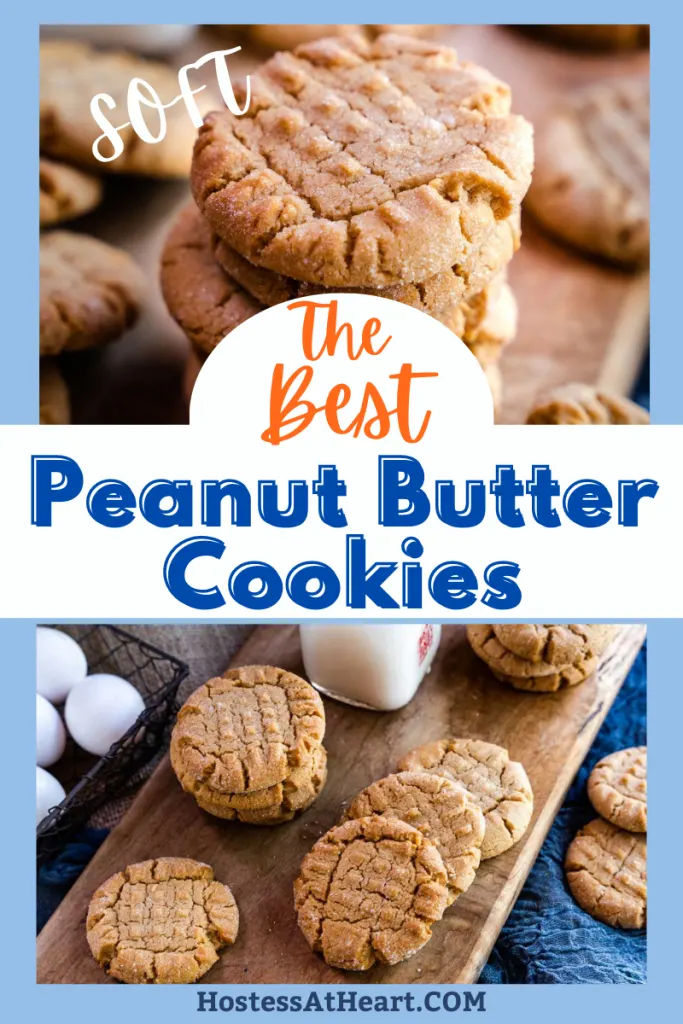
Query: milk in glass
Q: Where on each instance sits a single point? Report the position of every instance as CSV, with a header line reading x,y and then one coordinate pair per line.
x,y
377,667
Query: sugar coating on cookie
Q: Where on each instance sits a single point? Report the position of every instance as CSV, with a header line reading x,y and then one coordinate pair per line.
x,y
437,295
607,874
275,805
369,892
90,292
441,809
583,405
204,300
363,165
617,788
71,73
591,184
498,786
65,192
245,731
161,922
539,656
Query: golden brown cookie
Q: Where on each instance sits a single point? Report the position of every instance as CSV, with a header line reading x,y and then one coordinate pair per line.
x,y
499,786
486,322
581,404
617,788
591,183
65,192
369,892
161,922
90,292
437,295
442,810
596,37
206,302
363,165
72,73
246,731
607,874
55,406
272,806
539,656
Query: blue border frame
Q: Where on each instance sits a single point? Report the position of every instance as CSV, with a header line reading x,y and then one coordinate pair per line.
x,y
18,404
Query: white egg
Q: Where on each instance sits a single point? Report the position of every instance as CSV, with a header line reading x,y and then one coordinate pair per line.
x,y
50,733
60,663
49,793
100,710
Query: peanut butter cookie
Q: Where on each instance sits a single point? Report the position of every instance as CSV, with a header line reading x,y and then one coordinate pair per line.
x,y
497,785
541,657
581,405
90,292
275,805
71,74
442,810
66,192
486,322
161,922
369,892
363,165
55,406
245,731
591,182
607,874
205,301
437,295
617,788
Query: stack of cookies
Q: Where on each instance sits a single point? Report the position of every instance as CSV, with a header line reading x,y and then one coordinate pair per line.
x,y
538,657
248,745
387,167
408,846
91,292
606,863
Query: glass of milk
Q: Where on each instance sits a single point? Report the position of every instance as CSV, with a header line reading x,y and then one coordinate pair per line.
x,y
378,667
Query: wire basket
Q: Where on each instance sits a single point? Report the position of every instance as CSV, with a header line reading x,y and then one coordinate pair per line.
x,y
91,781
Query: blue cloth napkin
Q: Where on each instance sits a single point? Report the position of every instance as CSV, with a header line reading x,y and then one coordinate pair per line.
x,y
547,937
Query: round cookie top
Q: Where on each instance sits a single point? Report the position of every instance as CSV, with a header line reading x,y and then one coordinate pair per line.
x,y
607,874
363,164
442,810
591,183
498,786
71,73
246,730
161,921
369,891
90,292
583,405
274,805
617,788
540,656
436,295
204,300
65,192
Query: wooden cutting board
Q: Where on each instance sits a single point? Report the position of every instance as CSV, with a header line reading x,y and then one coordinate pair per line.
x,y
580,319
549,733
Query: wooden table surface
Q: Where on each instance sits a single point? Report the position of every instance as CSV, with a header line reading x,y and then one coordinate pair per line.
x,y
579,319
549,733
